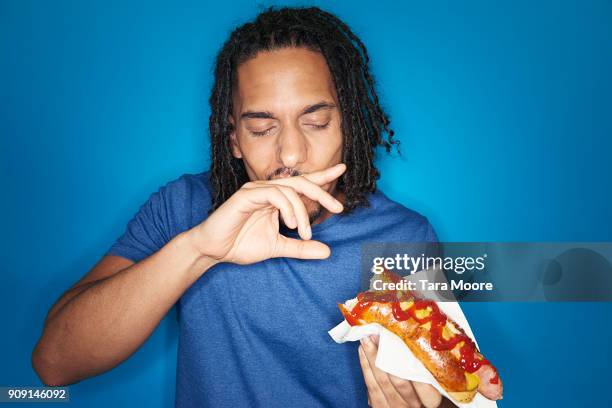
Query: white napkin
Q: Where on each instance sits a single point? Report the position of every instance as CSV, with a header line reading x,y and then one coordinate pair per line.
x,y
395,357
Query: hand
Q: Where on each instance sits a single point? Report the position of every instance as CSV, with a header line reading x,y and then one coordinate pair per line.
x,y
245,229
388,391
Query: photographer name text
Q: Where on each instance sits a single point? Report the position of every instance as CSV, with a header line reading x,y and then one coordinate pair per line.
x,y
424,284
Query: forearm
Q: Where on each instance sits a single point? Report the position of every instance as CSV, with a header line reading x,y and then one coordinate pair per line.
x,y
106,322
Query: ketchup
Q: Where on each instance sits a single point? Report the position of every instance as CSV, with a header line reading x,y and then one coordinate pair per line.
x,y
470,361
354,315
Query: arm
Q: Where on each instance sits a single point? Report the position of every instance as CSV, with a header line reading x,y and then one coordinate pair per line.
x,y
112,311
105,317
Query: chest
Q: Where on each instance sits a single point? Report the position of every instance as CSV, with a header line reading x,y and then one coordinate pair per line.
x,y
284,299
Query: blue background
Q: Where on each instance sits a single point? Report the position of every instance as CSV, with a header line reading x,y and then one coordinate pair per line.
x,y
503,109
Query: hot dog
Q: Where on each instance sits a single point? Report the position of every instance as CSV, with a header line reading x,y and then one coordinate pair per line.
x,y
436,340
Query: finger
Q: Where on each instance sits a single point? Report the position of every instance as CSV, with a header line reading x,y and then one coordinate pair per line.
x,y
375,395
273,195
429,396
253,196
375,339
406,391
328,175
297,248
303,221
382,378
311,190
262,196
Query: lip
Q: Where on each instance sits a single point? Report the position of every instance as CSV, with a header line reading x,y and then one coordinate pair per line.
x,y
282,176
286,174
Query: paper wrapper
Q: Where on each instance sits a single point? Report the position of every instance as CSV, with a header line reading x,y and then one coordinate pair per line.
x,y
395,357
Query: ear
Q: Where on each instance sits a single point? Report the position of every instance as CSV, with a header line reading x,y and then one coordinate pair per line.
x,y
236,152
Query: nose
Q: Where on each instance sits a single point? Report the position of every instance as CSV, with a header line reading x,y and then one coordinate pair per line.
x,y
292,147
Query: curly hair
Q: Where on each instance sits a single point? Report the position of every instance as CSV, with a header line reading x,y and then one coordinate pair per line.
x,y
363,123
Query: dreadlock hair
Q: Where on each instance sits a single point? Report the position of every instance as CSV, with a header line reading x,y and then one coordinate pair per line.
x,y
363,121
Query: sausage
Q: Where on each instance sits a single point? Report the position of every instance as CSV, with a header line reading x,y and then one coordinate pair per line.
x,y
492,391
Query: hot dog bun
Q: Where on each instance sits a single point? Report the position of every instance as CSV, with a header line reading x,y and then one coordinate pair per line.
x,y
437,341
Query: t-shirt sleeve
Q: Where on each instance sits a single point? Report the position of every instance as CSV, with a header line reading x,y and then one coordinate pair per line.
x,y
147,231
430,234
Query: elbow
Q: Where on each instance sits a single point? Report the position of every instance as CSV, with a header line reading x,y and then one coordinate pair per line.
x,y
46,367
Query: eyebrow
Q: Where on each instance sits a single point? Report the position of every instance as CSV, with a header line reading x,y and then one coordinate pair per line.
x,y
317,107
268,115
257,115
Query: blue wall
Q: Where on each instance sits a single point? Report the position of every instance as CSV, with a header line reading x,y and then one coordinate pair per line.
x,y
503,109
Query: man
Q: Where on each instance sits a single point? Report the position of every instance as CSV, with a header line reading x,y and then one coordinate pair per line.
x,y
258,251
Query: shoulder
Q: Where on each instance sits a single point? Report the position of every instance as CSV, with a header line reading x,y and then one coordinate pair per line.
x,y
185,201
173,208
399,221
189,183
380,203
188,189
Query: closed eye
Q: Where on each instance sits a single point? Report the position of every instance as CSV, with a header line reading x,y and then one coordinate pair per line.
x,y
317,126
262,133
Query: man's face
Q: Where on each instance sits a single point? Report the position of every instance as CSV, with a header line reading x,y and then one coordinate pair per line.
x,y
286,117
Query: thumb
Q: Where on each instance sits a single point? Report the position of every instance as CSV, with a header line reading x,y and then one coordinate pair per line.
x,y
297,248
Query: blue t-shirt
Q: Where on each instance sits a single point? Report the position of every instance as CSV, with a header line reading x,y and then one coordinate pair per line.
x,y
256,335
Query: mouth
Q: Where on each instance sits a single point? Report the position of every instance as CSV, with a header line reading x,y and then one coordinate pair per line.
x,y
283,173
